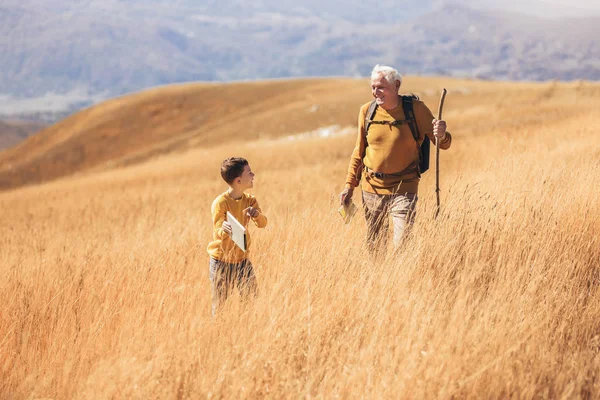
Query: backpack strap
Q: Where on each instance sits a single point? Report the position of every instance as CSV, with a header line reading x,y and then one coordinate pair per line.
x,y
370,114
369,120
409,114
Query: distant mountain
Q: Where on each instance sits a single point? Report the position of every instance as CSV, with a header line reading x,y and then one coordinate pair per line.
x,y
500,45
77,53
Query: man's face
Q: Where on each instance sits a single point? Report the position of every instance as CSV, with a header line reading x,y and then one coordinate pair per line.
x,y
385,93
246,181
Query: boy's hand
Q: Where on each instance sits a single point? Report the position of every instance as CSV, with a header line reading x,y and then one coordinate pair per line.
x,y
251,212
227,228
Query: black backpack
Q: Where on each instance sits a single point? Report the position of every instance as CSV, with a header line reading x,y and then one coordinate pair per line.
x,y
407,106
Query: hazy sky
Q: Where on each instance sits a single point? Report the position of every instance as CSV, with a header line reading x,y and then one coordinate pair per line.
x,y
543,8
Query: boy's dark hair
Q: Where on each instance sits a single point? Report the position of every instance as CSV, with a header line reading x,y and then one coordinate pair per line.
x,y
233,168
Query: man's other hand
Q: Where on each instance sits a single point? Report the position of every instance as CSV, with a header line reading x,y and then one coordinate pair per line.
x,y
346,196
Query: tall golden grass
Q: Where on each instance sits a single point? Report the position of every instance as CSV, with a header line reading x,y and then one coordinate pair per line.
x,y
105,290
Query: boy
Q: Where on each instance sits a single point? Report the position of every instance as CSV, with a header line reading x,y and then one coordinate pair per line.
x,y
229,265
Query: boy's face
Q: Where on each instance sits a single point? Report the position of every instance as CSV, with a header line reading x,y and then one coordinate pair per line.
x,y
246,181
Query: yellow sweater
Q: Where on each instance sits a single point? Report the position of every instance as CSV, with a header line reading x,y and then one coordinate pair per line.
x,y
390,149
222,247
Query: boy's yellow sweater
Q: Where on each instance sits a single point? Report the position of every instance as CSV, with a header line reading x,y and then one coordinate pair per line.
x,y
390,149
222,247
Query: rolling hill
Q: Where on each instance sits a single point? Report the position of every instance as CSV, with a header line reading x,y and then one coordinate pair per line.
x,y
137,127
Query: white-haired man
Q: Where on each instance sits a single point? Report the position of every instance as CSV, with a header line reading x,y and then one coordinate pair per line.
x,y
386,154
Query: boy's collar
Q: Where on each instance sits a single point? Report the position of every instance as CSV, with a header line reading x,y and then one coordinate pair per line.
x,y
229,193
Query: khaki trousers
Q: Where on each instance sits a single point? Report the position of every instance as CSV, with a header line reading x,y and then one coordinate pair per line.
x,y
378,208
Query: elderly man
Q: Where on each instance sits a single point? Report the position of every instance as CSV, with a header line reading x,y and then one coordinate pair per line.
x,y
387,156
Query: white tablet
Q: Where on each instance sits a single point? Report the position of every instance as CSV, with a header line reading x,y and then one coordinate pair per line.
x,y
238,232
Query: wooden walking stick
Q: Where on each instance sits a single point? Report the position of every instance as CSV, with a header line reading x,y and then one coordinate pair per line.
x,y
437,156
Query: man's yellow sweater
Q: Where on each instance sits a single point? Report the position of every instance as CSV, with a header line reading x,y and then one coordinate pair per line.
x,y
222,247
390,149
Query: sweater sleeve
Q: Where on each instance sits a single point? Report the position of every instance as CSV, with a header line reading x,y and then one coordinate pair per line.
x,y
219,215
424,118
356,160
261,219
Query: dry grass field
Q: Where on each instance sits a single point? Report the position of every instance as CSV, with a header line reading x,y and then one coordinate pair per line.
x,y
105,290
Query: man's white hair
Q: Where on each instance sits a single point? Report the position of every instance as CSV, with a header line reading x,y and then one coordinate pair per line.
x,y
390,74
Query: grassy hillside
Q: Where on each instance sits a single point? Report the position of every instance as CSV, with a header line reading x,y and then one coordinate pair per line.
x,y
137,127
106,292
